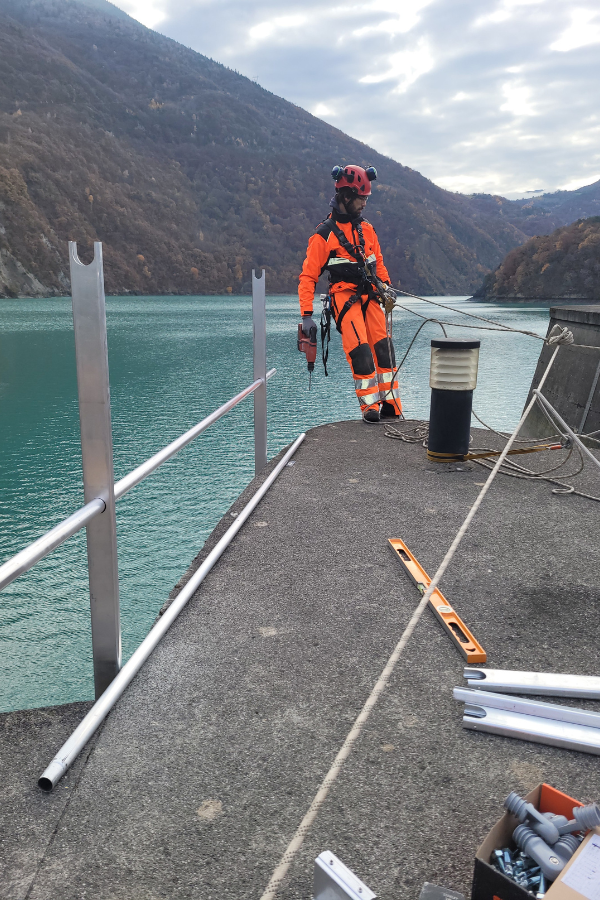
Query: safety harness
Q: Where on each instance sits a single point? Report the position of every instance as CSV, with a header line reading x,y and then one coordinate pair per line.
x,y
368,284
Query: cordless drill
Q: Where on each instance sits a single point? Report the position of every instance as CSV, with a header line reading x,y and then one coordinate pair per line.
x,y
308,346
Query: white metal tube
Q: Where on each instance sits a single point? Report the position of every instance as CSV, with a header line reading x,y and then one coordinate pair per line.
x,y
72,747
26,558
29,556
564,425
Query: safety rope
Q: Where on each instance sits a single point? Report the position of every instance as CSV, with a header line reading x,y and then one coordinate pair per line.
x,y
504,435
499,326
295,844
420,432
561,489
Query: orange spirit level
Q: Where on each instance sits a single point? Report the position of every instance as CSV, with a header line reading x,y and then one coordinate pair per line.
x,y
454,626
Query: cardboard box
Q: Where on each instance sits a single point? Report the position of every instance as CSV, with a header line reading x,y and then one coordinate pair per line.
x,y
488,882
582,863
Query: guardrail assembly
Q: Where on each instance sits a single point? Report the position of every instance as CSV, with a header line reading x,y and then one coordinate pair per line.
x,y
100,494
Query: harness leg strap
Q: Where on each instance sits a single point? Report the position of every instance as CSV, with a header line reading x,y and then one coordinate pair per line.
x,y
350,302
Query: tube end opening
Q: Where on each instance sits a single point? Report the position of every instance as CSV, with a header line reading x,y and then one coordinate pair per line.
x,y
45,784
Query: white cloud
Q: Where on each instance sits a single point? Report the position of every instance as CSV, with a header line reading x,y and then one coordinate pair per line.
x,y
517,99
573,185
149,12
273,28
404,67
583,30
506,9
323,111
403,17
476,96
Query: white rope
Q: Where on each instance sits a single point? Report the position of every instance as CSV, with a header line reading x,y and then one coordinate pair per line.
x,y
560,335
282,868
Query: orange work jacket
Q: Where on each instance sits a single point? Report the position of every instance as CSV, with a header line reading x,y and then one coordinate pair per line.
x,y
325,252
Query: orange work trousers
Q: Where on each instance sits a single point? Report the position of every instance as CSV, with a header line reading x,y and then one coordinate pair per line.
x,y
368,350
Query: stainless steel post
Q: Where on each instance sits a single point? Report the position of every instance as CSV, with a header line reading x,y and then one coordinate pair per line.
x,y
259,325
89,320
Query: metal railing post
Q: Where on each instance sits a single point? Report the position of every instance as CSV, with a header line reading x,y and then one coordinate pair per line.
x,y
259,324
89,321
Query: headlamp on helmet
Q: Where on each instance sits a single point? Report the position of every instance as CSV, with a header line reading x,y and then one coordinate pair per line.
x,y
354,177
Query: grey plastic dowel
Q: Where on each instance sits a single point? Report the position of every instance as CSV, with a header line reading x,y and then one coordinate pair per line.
x,y
259,327
89,320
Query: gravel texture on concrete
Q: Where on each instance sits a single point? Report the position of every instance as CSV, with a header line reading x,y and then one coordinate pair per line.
x,y
205,768
28,739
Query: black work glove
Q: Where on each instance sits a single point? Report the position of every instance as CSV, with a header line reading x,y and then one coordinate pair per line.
x,y
307,323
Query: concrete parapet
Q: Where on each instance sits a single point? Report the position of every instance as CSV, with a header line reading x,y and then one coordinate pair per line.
x,y
573,385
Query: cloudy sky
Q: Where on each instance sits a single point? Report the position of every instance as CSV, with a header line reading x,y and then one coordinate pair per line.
x,y
499,96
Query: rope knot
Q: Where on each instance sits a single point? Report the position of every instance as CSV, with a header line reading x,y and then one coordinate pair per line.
x,y
560,335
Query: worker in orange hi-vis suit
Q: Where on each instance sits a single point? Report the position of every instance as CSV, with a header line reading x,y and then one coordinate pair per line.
x,y
346,246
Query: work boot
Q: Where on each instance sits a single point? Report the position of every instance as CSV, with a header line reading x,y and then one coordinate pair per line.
x,y
371,416
388,412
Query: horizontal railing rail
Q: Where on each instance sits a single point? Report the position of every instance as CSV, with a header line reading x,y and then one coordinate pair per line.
x,y
43,546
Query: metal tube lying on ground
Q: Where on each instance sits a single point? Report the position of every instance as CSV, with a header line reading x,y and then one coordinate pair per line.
x,y
29,556
533,728
528,707
540,683
72,747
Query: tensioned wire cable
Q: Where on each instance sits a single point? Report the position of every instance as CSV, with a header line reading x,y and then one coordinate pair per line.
x,y
498,326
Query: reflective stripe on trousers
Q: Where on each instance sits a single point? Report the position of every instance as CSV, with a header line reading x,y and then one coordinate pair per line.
x,y
385,385
369,399
388,393
362,384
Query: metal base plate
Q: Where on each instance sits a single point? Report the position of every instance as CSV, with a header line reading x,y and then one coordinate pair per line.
x,y
335,881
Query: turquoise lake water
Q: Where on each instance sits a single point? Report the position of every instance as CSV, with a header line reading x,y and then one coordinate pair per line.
x,y
172,361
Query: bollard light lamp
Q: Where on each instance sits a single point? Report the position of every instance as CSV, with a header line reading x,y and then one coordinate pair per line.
x,y
452,379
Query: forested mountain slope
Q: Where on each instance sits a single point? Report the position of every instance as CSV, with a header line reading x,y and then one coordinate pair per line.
x,y
561,265
188,172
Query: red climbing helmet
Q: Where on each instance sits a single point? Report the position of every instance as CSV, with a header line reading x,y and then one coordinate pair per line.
x,y
354,177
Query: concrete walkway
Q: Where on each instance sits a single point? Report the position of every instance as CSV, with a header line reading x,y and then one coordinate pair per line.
x,y
205,768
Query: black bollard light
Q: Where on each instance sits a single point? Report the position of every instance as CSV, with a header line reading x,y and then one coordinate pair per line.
x,y
452,378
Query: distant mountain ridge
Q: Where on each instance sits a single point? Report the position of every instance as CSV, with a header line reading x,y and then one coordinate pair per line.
x,y
563,265
544,213
191,174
